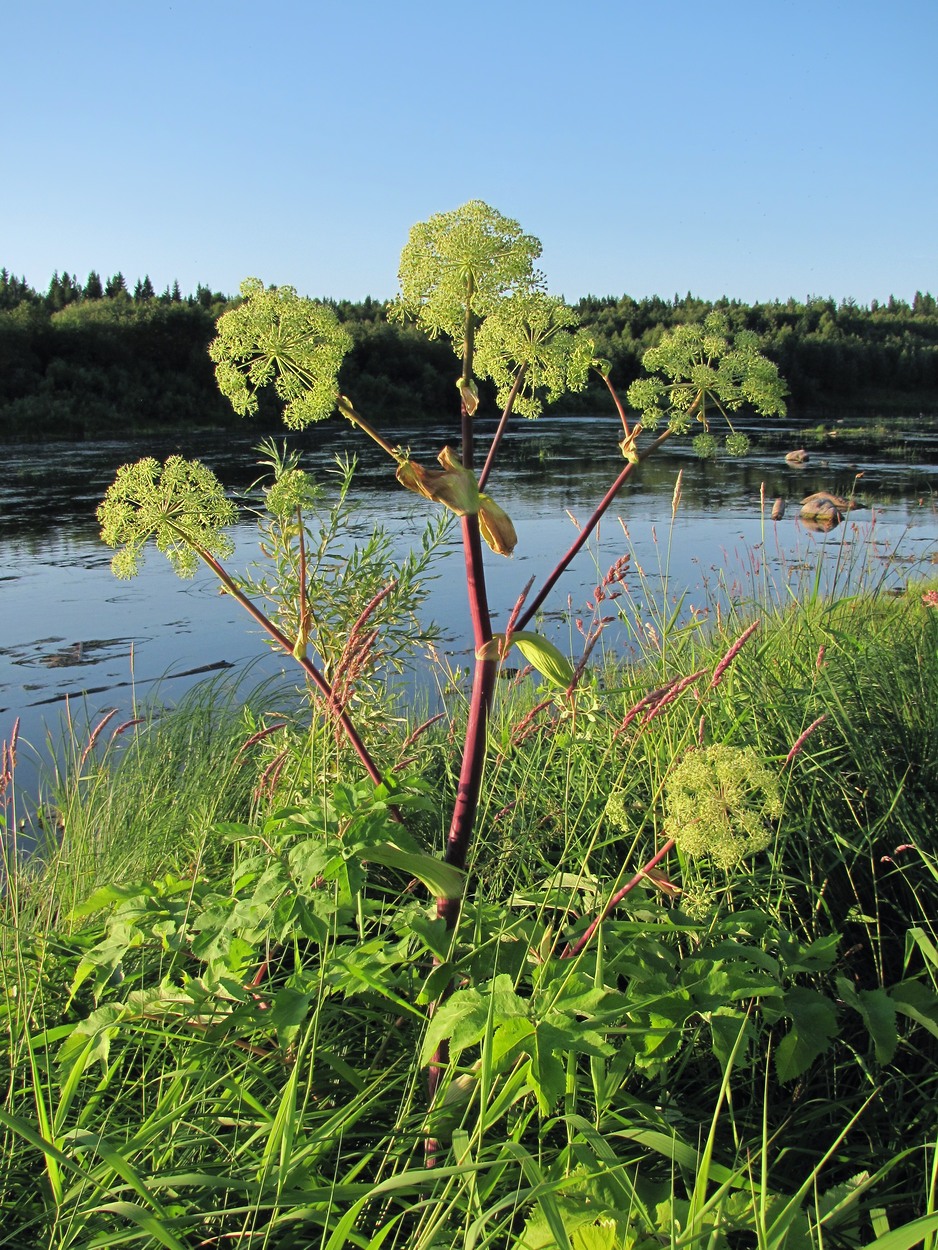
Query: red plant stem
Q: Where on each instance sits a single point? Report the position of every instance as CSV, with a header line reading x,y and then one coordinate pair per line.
x,y
572,949
618,403
480,701
587,530
305,663
506,413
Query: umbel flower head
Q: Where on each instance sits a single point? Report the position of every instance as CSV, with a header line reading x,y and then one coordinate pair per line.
x,y
279,337
181,504
719,801
463,261
700,368
531,330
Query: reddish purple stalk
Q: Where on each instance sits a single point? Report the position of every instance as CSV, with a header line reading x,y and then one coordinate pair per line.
x,y
305,663
572,949
585,534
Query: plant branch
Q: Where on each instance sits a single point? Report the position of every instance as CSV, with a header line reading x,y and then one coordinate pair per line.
x,y
351,414
572,949
304,661
618,403
506,413
584,536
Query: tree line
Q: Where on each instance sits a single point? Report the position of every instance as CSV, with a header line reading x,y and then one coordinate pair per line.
x,y
83,359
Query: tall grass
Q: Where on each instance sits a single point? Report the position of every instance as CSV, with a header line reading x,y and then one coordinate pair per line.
x,y
264,1087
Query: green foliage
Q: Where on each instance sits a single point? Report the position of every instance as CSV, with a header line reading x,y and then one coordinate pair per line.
x,y
182,505
275,336
589,1091
229,1047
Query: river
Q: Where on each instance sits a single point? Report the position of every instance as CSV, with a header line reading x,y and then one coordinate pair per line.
x,y
74,639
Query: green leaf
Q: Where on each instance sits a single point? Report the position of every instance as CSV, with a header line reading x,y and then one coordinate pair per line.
x,y
924,943
465,1016
290,1008
547,1073
552,664
90,1041
602,1236
879,1015
442,879
434,935
909,1235
918,1002
813,1026
461,1020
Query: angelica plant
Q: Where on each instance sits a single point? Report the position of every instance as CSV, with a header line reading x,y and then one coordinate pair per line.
x,y
701,370
469,275
276,337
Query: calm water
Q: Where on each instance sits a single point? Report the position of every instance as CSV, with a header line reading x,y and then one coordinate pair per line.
x,y
69,628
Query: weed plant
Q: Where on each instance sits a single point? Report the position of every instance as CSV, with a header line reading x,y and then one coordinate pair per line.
x,y
679,984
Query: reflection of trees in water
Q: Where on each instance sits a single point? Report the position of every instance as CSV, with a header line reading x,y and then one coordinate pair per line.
x,y
554,462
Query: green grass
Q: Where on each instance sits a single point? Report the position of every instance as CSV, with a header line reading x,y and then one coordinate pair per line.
x,y
223,1047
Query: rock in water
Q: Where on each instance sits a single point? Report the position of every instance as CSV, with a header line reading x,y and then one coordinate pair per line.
x,y
822,504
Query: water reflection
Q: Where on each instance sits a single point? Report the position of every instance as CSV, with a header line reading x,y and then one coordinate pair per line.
x,y
69,627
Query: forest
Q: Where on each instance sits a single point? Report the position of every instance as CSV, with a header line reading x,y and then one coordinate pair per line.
x,y
99,358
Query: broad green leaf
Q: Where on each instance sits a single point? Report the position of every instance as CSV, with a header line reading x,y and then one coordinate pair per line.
x,y
434,935
813,1026
601,1236
465,1016
90,1041
105,896
547,1074
290,1008
879,1015
918,1002
461,1020
442,879
551,663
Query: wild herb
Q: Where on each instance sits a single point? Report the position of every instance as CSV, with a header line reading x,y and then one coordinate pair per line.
x,y
656,910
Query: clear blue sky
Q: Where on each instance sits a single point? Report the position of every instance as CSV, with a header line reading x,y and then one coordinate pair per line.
x,y
753,148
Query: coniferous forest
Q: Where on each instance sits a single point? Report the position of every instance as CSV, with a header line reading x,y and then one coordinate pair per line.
x,y
100,358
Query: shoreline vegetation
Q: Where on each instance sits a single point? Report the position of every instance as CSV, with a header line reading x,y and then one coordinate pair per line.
x,y
97,360
775,1024
593,953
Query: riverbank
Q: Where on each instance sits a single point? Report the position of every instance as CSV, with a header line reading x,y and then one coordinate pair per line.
x,y
215,1002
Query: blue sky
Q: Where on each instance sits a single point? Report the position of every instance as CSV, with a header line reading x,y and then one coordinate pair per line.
x,y
749,148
